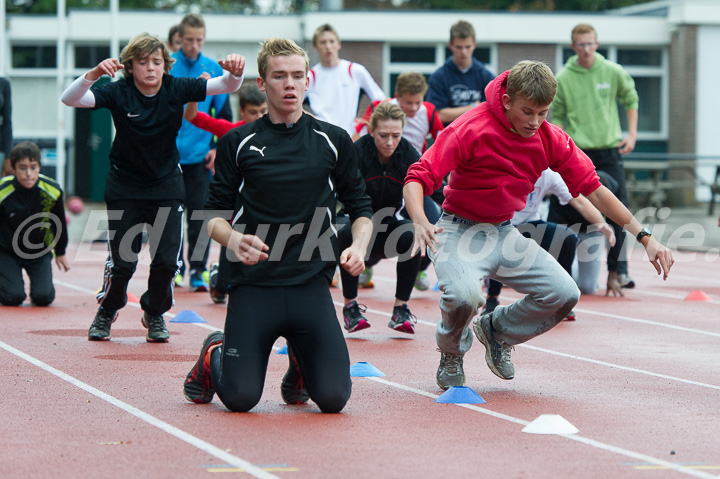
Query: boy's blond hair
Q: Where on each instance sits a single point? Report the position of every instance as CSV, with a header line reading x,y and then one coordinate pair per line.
x,y
322,29
581,29
462,29
139,47
273,47
410,83
386,111
532,80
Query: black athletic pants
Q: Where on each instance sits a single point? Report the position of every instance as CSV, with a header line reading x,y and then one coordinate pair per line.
x,y
197,183
392,237
610,161
164,219
304,315
12,286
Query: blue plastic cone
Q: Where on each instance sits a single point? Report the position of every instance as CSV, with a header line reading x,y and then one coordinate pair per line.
x,y
365,370
283,350
187,316
435,288
460,395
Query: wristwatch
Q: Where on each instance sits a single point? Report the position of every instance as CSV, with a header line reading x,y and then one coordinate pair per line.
x,y
643,233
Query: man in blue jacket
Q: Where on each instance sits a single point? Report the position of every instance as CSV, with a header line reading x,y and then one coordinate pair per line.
x,y
458,85
197,147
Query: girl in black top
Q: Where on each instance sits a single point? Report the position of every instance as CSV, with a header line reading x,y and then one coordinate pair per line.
x,y
384,160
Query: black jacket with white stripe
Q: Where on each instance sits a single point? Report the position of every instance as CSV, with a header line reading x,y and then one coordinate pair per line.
x,y
282,184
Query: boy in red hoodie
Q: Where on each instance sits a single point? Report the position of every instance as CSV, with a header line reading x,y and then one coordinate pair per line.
x,y
494,154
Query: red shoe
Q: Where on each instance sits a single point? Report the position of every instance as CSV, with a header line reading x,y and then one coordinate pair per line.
x,y
198,386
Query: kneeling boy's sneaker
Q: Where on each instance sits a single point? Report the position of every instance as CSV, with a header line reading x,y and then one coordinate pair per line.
x,y
450,372
365,278
570,316
198,281
353,318
198,386
216,296
422,282
100,327
157,332
626,281
403,320
497,354
292,388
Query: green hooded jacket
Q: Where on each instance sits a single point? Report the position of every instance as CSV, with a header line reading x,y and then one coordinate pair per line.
x,y
586,102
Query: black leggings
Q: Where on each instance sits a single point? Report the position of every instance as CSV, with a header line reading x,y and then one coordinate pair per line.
x,y
392,238
256,317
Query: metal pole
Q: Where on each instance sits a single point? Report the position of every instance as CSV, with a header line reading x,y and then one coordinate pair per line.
x,y
60,140
114,41
3,39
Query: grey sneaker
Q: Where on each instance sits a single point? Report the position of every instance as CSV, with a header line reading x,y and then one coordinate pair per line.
x,y
157,332
100,327
450,372
626,281
497,354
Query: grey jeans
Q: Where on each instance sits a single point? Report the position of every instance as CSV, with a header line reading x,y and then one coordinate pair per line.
x,y
468,253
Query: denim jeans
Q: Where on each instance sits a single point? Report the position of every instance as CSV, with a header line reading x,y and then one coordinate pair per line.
x,y
467,253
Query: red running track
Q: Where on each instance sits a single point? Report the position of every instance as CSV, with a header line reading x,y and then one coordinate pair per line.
x,y
639,377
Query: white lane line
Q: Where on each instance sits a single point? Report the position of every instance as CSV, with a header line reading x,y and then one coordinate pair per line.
x,y
647,321
135,305
596,361
515,297
152,420
585,440
617,366
673,296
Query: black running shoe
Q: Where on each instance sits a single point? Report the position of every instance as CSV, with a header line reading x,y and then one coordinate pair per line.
x,y
100,327
198,386
403,320
216,296
353,317
292,388
157,332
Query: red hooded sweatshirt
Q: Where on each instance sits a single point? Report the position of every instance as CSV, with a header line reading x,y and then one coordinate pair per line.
x,y
492,168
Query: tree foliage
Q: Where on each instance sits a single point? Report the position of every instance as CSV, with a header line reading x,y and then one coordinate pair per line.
x,y
290,6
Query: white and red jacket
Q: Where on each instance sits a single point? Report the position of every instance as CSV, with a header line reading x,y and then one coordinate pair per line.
x,y
334,92
416,129
492,168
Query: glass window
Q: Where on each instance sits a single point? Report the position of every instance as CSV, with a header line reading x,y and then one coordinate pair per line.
x,y
481,53
640,57
89,56
649,112
34,56
412,54
393,80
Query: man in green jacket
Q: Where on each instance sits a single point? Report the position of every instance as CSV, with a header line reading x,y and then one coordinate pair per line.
x,y
589,88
